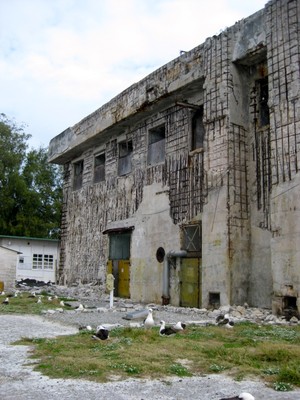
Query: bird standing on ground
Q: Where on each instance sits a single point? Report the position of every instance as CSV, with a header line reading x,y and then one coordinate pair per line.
x,y
6,301
242,396
101,333
149,321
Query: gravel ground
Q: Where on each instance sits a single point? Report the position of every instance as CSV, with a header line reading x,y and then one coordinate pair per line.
x,y
18,381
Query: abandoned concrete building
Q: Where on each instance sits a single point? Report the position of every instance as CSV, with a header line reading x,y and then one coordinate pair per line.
x,y
186,186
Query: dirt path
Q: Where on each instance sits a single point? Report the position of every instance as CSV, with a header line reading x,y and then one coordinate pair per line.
x,y
19,382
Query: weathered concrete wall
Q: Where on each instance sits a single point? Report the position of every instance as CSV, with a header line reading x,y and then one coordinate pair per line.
x,y
285,249
154,229
243,184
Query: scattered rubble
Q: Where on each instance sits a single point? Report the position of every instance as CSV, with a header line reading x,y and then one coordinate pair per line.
x,y
96,308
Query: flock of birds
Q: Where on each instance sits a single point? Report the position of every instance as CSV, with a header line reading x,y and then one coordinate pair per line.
x,y
102,331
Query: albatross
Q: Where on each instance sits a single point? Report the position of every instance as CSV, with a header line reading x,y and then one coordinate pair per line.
x,y
224,320
149,321
166,330
241,396
180,326
6,301
101,333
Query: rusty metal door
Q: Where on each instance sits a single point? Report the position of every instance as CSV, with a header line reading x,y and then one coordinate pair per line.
x,y
190,282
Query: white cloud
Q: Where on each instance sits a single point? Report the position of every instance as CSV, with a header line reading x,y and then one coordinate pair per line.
x,y
62,59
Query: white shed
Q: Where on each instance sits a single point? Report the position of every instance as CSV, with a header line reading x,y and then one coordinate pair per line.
x,y
37,259
8,263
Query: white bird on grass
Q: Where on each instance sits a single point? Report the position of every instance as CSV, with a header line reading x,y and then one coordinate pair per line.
x,y
149,321
6,301
180,326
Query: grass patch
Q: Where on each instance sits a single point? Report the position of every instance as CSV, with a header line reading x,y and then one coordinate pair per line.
x,y
24,304
134,352
270,352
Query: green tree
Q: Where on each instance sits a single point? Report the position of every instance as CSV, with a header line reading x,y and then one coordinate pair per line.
x,y
30,187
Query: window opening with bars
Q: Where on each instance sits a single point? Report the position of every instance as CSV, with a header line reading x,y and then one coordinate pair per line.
x,y
156,145
192,239
77,175
197,129
99,168
125,155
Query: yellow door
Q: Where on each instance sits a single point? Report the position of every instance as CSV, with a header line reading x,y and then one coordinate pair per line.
x,y
190,282
124,278
120,269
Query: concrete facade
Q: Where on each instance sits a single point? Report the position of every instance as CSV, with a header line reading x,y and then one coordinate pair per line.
x,y
209,140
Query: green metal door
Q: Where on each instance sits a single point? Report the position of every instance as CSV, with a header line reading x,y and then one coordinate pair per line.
x,y
190,282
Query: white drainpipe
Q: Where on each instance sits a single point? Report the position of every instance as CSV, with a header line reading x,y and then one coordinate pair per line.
x,y
166,273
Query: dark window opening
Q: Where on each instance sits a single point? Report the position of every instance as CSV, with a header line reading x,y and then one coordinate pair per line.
x,y
125,155
290,308
214,299
290,302
99,168
77,174
192,239
263,108
156,145
197,129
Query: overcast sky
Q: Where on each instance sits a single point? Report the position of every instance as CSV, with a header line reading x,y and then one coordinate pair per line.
x,y
60,60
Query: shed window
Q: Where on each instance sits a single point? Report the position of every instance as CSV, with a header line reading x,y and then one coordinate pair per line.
x,y
40,261
48,261
99,168
197,129
156,145
125,155
37,262
77,175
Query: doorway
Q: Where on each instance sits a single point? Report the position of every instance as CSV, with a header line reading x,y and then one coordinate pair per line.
x,y
119,262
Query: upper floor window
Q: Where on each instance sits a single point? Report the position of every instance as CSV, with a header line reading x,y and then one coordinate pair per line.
x,y
156,145
263,97
99,168
125,155
77,174
197,129
192,239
